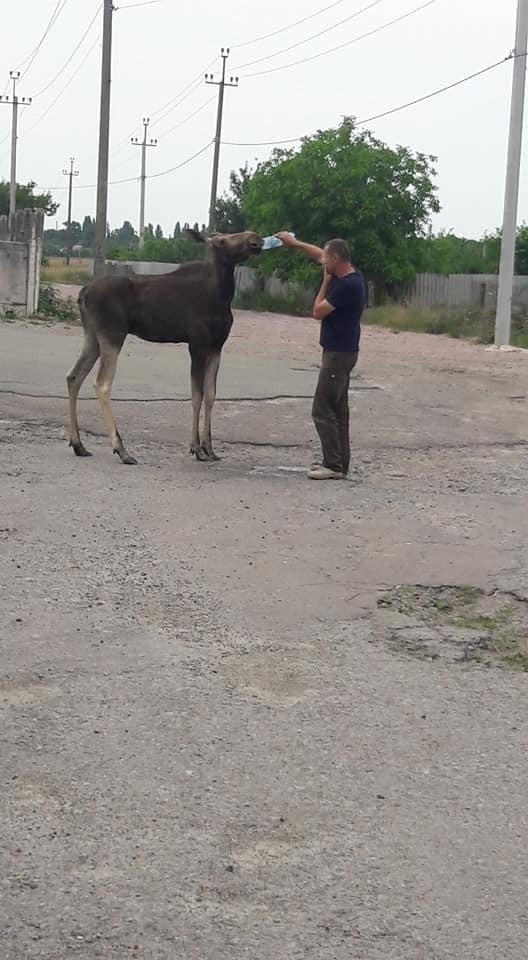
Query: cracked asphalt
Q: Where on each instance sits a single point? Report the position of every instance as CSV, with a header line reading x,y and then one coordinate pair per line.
x,y
210,750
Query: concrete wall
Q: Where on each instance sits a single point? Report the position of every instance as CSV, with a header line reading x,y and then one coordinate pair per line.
x,y
20,256
13,273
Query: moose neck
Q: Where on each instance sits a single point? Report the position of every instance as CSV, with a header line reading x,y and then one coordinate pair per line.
x,y
225,277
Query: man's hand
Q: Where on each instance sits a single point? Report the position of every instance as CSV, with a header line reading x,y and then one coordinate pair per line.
x,y
315,253
286,238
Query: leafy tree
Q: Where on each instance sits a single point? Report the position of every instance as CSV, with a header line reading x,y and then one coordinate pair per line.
x,y
75,232
447,253
125,236
88,233
169,250
158,233
26,198
343,182
229,208
521,251
177,230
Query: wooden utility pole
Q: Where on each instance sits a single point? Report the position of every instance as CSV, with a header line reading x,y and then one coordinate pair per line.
x,y
104,139
14,101
143,144
71,173
221,84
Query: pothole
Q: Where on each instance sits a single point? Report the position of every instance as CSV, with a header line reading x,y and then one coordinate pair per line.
x,y
459,624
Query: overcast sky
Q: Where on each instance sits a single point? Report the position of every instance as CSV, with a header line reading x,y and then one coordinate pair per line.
x,y
161,48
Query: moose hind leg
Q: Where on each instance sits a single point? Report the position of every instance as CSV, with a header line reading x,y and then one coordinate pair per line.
x,y
211,374
75,379
198,363
103,389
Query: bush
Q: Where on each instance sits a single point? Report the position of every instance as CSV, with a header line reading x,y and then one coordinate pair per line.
x,y
292,303
54,307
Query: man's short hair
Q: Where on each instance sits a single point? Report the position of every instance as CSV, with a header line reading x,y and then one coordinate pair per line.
x,y
338,248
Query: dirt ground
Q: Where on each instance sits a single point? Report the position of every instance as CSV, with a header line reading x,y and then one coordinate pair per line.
x,y
246,714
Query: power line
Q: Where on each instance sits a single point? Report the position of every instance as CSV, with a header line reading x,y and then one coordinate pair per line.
x,y
314,36
143,3
274,33
65,87
163,173
195,113
151,176
74,51
449,86
195,82
59,7
179,97
176,126
340,46
386,113
184,96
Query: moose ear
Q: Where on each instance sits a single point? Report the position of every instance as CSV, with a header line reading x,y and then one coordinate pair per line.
x,y
194,235
218,240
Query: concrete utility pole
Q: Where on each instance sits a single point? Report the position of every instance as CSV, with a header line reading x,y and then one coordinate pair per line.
x,y
14,101
143,144
221,84
71,173
104,138
511,192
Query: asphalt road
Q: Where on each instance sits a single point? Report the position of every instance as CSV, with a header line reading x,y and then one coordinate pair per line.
x,y
210,748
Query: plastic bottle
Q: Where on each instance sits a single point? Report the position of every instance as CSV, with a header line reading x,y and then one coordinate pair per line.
x,y
270,243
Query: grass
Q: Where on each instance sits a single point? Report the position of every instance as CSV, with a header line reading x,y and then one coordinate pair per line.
x,y
466,323
499,621
73,274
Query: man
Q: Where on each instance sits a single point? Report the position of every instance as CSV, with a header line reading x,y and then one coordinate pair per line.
x,y
339,306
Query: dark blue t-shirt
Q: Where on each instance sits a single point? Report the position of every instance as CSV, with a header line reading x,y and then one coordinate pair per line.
x,y
341,329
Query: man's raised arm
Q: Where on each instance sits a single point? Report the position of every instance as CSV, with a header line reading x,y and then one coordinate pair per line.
x,y
315,253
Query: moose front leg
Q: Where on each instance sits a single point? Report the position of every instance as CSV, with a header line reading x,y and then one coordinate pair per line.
x,y
211,374
198,364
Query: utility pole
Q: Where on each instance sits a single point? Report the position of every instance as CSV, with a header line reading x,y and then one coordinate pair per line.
x,y
143,144
71,173
221,84
14,75
511,191
104,138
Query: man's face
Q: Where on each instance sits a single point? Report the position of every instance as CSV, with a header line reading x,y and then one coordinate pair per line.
x,y
329,262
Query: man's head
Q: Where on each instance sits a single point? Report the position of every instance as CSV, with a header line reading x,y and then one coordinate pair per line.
x,y
336,257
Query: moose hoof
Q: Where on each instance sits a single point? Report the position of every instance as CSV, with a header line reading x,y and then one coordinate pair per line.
x,y
126,458
80,450
210,454
199,453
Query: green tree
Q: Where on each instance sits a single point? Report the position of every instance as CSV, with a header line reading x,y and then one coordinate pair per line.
x,y
88,233
447,253
125,236
521,251
26,198
54,243
343,182
177,230
229,208
158,233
